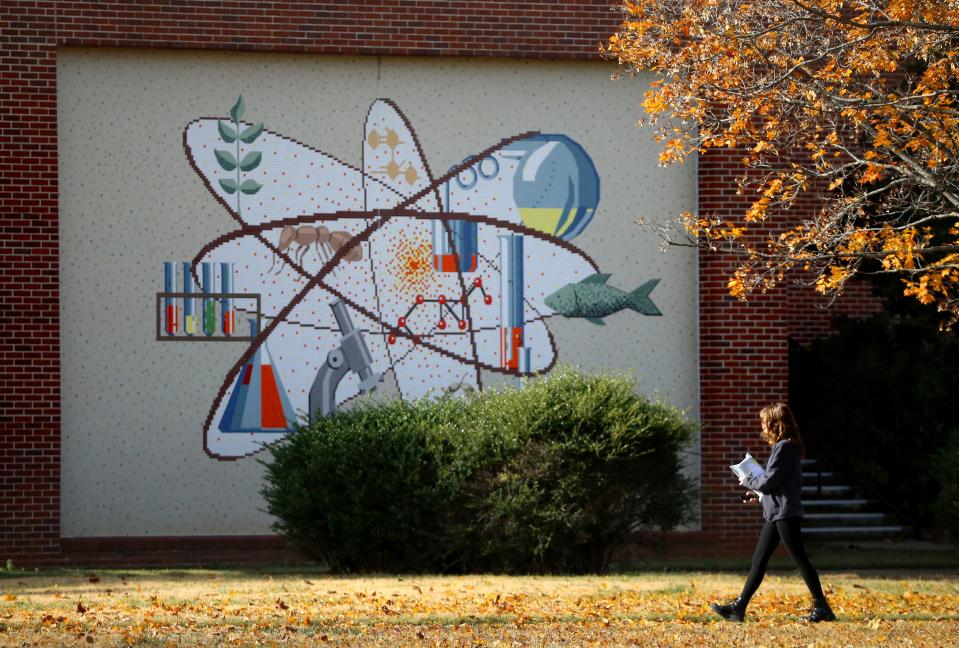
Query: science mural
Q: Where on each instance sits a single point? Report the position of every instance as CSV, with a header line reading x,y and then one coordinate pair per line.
x,y
337,274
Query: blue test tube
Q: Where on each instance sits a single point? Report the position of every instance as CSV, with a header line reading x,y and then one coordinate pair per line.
x,y
461,255
189,319
512,307
226,286
169,303
209,304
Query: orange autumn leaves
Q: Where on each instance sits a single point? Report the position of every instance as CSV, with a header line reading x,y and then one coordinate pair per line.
x,y
842,110
200,607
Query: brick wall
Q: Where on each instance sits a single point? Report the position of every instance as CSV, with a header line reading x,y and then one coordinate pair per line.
x,y
811,314
743,363
29,297
540,29
744,352
743,355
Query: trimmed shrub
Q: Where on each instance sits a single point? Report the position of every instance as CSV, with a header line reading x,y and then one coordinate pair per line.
x,y
549,477
361,489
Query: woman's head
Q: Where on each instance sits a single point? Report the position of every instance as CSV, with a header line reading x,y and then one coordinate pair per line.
x,y
779,424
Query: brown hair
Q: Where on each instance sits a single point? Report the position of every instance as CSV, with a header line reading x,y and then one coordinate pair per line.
x,y
779,424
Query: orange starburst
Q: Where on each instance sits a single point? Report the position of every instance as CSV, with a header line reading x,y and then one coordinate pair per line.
x,y
412,265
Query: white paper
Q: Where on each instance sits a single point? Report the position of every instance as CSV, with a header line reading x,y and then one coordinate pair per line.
x,y
748,467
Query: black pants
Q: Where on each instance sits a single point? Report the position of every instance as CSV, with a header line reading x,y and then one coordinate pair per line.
x,y
789,531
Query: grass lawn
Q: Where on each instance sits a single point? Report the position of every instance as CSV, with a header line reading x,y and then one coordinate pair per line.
x,y
304,607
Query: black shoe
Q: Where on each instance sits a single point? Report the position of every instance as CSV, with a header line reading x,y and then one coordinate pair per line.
x,y
820,612
732,611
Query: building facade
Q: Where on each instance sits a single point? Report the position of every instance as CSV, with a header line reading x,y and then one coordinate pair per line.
x,y
455,177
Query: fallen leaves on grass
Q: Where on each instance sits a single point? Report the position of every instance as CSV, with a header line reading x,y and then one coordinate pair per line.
x,y
226,608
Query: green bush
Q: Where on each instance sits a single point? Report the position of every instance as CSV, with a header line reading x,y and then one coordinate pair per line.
x,y
550,477
360,490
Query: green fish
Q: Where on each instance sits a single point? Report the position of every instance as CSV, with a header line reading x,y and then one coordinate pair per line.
x,y
592,299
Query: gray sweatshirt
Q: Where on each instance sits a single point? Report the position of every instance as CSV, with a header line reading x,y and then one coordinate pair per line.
x,y
782,485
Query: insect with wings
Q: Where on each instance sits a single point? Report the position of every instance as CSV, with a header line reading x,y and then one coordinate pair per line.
x,y
447,277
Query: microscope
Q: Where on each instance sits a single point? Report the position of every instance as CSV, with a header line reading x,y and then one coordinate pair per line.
x,y
351,355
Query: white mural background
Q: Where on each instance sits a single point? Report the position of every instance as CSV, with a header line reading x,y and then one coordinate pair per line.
x,y
135,457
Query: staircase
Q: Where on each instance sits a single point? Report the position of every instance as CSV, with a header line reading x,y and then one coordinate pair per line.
x,y
839,510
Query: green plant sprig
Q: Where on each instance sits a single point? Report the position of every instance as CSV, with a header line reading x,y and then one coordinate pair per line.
x,y
229,161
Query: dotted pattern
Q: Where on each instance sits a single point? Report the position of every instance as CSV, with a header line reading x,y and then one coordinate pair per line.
x,y
741,358
417,375
181,383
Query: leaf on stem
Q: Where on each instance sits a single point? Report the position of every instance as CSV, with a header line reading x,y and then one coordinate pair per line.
x,y
228,185
236,112
226,132
250,187
250,161
226,159
251,133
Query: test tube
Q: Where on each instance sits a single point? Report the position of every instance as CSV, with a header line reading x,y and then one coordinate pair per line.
x,y
462,253
512,311
189,319
209,304
464,242
226,286
169,302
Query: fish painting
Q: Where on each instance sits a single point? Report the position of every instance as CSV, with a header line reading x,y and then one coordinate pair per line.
x,y
592,299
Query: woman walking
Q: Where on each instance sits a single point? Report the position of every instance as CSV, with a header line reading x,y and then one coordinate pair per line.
x,y
781,488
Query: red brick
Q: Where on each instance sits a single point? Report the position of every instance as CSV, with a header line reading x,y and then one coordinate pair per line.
x,y
743,347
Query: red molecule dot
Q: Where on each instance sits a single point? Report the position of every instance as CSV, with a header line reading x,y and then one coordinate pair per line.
x,y
488,299
478,282
442,324
391,339
463,299
401,322
462,325
420,299
442,299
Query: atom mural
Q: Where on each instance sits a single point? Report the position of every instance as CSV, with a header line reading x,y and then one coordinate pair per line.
x,y
436,278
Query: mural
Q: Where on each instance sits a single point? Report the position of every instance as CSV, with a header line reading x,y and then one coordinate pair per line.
x,y
386,267
205,316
